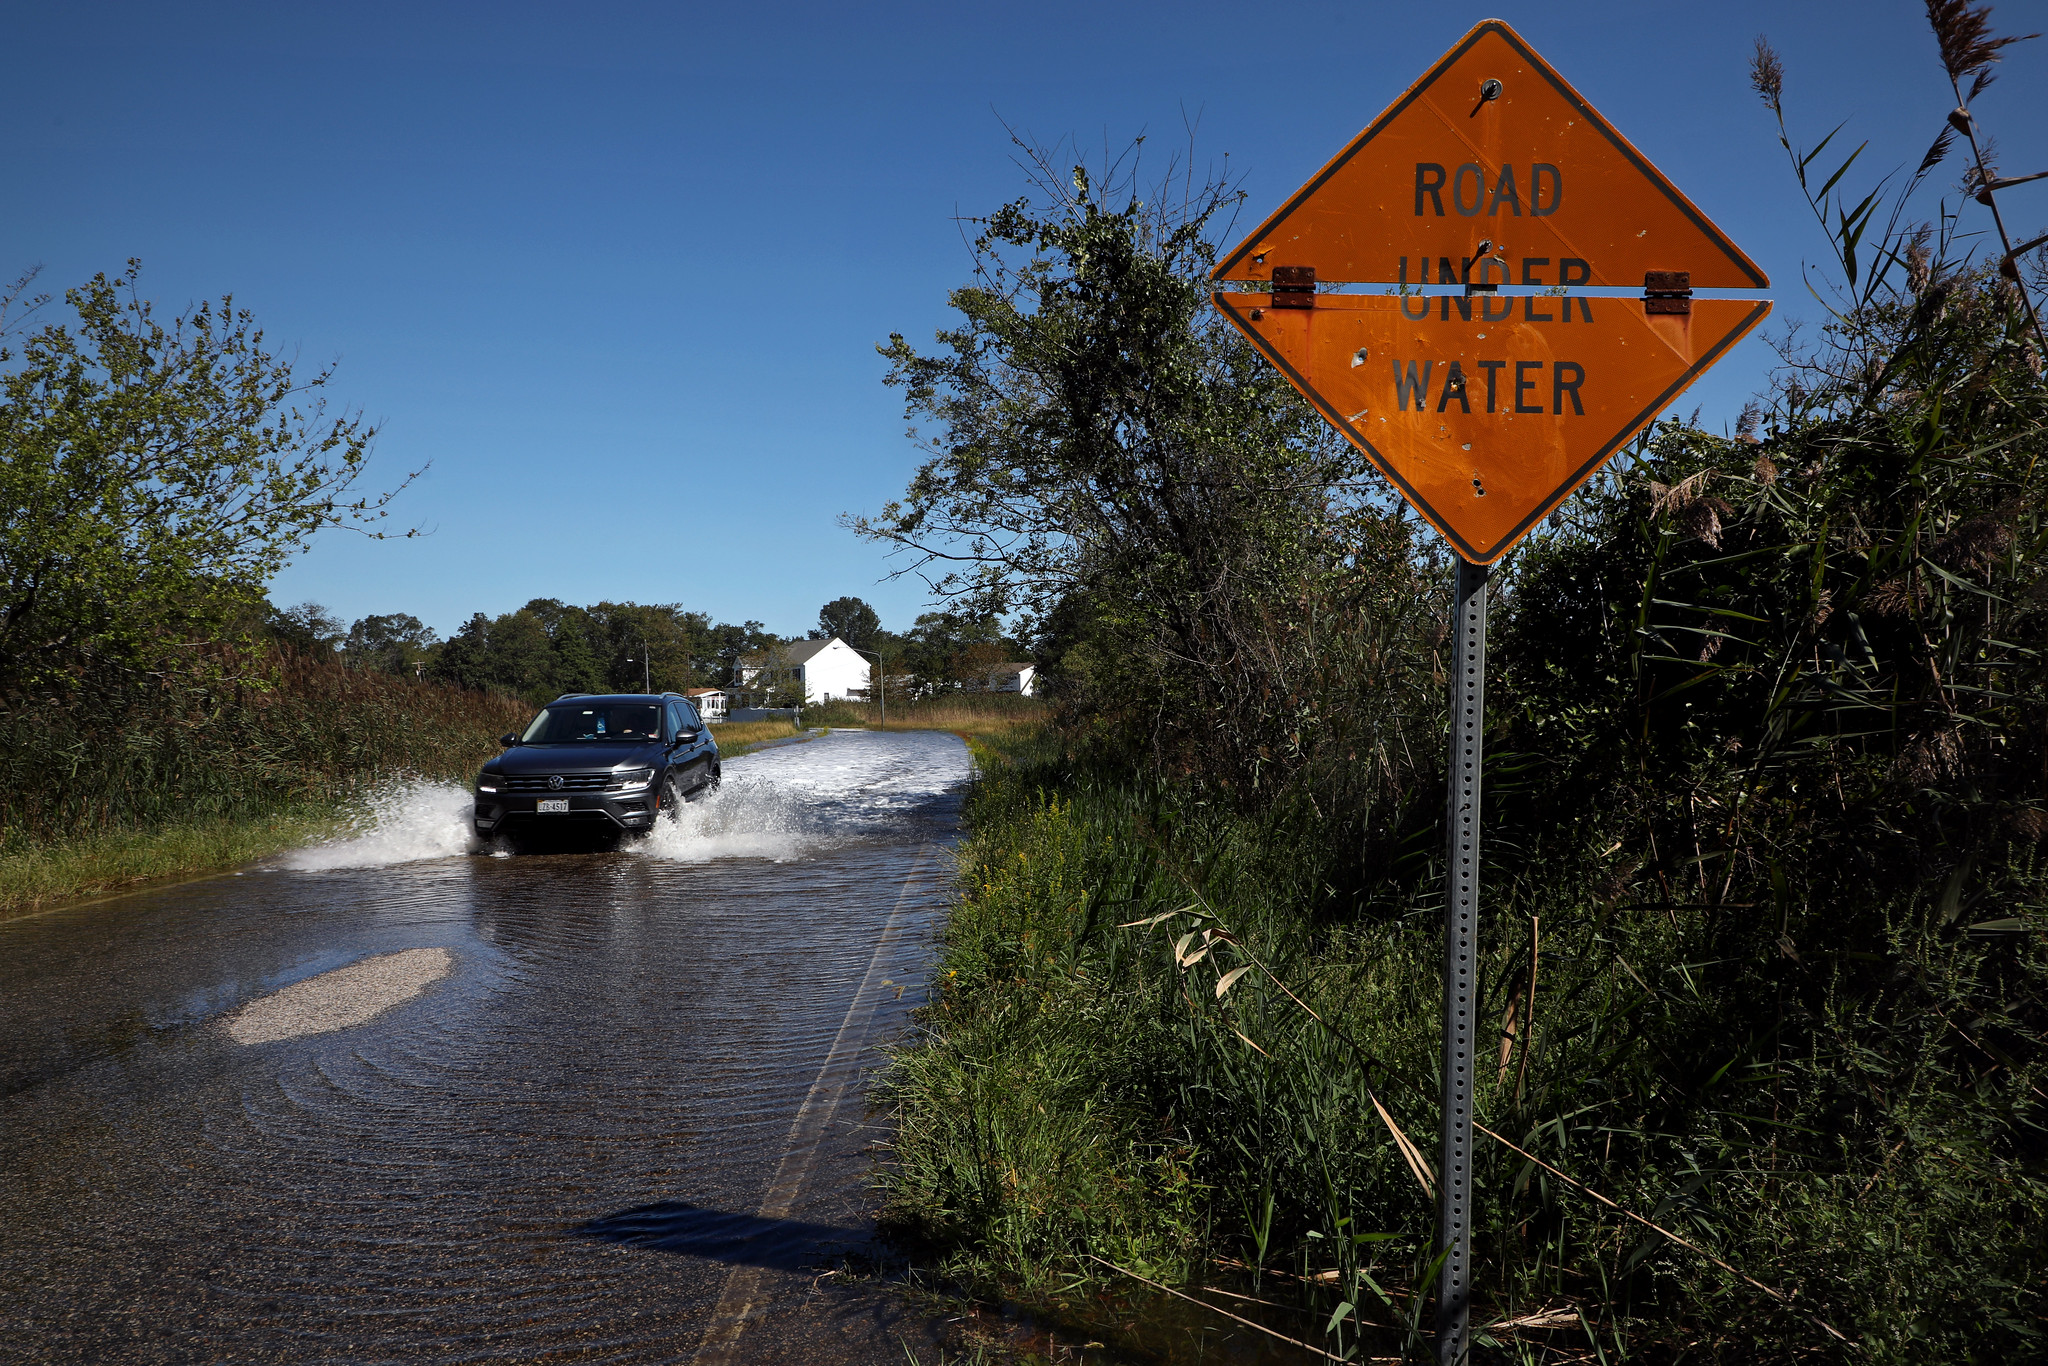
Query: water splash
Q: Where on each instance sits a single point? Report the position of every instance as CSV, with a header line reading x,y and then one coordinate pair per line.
x,y
779,804
787,803
750,816
400,821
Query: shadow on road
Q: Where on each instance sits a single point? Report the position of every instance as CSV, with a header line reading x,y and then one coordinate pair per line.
x,y
724,1236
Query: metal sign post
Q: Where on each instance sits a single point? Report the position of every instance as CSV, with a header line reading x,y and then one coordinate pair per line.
x,y
1461,959
1494,366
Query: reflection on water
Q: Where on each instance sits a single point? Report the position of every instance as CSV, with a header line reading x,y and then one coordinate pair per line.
x,y
561,1150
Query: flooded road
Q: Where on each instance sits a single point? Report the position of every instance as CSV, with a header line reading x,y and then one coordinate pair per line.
x,y
569,1107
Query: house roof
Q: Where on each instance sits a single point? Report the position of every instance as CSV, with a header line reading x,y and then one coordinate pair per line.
x,y
790,652
799,651
1012,668
704,692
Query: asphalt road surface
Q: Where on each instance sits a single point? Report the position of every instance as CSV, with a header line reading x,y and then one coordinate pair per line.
x,y
402,1099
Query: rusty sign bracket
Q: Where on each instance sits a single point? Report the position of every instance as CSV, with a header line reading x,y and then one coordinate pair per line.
x,y
1667,291
1294,286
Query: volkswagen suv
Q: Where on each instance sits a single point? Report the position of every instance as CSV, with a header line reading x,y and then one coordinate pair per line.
x,y
602,764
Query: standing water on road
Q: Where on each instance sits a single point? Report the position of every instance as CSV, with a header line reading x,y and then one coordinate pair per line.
x,y
584,1106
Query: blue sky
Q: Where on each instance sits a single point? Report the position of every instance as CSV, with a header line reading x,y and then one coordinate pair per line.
x,y
617,272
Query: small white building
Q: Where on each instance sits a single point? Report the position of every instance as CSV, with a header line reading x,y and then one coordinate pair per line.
x,y
710,702
824,670
1017,678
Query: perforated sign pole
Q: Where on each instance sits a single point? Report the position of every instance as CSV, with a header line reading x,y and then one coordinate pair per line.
x,y
1461,960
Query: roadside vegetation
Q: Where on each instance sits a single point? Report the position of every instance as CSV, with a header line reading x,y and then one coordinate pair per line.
x,y
155,717
1766,897
108,792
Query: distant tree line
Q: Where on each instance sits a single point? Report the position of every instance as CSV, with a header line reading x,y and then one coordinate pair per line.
x,y
549,647
541,650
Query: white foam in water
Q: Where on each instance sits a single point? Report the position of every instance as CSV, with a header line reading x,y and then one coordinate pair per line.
x,y
775,804
401,821
782,803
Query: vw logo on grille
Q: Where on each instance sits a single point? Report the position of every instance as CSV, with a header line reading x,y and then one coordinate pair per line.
x,y
555,782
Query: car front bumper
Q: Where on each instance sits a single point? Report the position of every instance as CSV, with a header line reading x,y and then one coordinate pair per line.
x,y
503,812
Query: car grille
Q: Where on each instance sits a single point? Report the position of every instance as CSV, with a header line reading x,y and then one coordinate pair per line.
x,y
571,782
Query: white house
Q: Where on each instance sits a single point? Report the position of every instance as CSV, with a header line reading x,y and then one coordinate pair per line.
x,y
710,702
824,669
1019,678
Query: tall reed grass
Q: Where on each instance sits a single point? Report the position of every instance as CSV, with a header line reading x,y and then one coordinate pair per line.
x,y
126,783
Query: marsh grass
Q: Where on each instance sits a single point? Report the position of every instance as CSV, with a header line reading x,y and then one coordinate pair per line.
x,y
128,784
969,715
1081,1089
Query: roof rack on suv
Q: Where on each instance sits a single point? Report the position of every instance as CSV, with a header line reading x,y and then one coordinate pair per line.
x,y
567,695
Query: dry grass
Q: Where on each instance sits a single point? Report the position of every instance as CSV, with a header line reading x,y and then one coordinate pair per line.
x,y
971,715
737,737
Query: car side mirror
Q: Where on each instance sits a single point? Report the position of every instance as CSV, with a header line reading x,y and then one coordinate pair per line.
x,y
508,739
687,734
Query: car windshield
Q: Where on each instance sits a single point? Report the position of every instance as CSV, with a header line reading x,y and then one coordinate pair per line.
x,y
570,722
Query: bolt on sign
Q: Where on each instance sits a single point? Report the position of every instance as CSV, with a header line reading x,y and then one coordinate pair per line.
x,y
1495,370
1490,380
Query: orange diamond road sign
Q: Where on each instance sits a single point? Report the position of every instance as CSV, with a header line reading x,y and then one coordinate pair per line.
x,y
1488,408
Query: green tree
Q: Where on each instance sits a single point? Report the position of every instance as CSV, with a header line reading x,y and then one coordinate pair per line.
x,y
730,645
850,619
398,644
576,647
466,658
955,649
523,657
153,476
549,647
667,637
308,628
1104,452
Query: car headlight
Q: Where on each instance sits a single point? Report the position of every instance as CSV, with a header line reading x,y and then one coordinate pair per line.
x,y
631,778
489,782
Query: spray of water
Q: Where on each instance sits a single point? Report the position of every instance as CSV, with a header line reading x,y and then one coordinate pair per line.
x,y
749,817
779,804
785,803
400,821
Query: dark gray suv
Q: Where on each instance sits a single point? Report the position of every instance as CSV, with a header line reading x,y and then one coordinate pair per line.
x,y
597,763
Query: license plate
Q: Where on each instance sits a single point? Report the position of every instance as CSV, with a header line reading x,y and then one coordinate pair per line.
x,y
547,804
